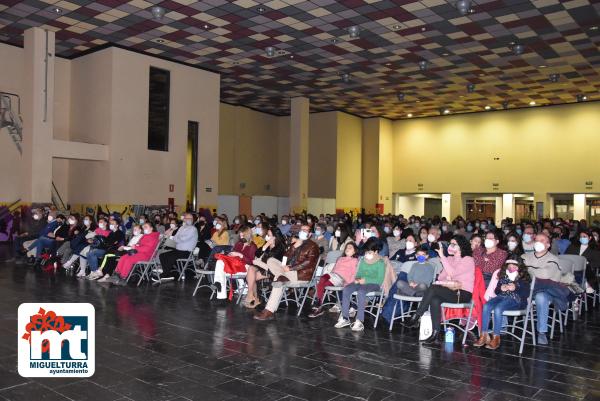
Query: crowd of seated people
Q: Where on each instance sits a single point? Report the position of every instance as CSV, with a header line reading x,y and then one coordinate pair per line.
x,y
275,252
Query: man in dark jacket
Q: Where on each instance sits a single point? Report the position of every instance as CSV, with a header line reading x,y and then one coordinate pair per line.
x,y
302,257
30,227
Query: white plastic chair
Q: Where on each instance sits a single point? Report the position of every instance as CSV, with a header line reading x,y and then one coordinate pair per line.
x,y
149,267
521,318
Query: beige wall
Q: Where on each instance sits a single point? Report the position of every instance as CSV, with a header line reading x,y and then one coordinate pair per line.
x,y
322,155
370,164
349,162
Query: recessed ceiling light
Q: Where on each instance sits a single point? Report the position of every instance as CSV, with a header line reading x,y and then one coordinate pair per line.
x,y
482,75
554,78
270,51
396,27
157,12
505,105
518,49
382,88
260,10
418,101
409,115
423,29
400,96
446,111
532,103
422,65
581,98
354,31
334,40
388,64
488,107
345,77
470,88
57,10
206,26
160,41
463,6
594,28
445,54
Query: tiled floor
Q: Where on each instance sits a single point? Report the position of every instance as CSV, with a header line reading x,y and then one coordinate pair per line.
x,y
162,344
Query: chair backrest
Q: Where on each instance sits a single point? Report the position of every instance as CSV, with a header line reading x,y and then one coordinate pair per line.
x,y
318,272
579,262
406,266
162,239
566,266
332,257
437,263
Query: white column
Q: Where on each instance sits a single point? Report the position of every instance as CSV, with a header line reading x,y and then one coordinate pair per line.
x,y
499,210
446,199
579,206
38,100
508,206
299,122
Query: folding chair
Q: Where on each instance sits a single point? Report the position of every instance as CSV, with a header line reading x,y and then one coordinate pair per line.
x,y
239,277
520,320
579,265
209,275
447,322
148,267
301,288
188,263
375,301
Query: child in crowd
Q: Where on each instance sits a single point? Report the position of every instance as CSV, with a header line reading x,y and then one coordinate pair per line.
x,y
420,276
342,274
512,291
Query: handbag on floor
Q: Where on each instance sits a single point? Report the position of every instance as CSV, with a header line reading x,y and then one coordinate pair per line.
x,y
425,328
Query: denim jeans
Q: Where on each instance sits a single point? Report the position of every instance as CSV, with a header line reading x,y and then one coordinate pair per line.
x,y
542,307
361,299
41,243
496,305
93,257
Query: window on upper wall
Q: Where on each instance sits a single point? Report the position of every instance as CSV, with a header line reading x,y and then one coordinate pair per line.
x,y
158,109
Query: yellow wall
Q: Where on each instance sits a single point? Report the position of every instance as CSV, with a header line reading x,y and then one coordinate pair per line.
x,y
386,157
370,164
541,150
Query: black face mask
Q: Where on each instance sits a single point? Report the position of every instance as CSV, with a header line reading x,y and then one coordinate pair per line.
x,y
202,222
243,240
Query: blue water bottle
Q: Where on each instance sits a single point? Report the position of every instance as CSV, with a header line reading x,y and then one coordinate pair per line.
x,y
449,335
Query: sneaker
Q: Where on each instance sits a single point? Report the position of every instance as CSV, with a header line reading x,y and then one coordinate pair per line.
x,y
341,323
352,312
120,282
357,326
541,339
335,309
95,275
104,279
589,289
113,279
81,273
316,312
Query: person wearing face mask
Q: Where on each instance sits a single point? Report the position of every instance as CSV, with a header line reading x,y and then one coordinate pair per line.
x,y
340,238
92,238
513,244
423,233
274,248
142,251
237,224
528,239
301,261
396,241
143,219
490,257
560,240
544,266
114,240
455,284
341,275
510,293
285,226
64,251
237,261
432,244
110,260
419,277
172,228
220,236
369,277
320,240
259,231
588,248
30,229
185,243
57,233
410,248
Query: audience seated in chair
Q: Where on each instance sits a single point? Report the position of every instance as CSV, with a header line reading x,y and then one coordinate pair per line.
x,y
110,261
114,240
140,252
185,243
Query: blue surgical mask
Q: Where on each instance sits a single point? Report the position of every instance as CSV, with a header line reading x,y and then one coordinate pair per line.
x,y
584,240
318,232
469,228
519,231
526,238
421,258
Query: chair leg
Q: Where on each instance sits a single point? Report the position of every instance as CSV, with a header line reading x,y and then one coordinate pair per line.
x,y
525,320
553,323
393,315
378,306
198,285
303,301
532,328
464,340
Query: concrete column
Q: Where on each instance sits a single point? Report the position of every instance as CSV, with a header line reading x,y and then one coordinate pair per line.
x,y
579,207
377,155
547,204
499,210
446,202
348,175
38,100
299,130
456,206
508,206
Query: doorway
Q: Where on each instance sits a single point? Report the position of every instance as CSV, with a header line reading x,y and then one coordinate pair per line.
x,y
192,166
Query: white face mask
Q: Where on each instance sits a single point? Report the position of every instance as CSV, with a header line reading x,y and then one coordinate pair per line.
x,y
113,227
137,232
142,221
102,226
489,243
257,231
147,231
50,218
303,235
410,245
37,217
267,237
318,233
218,226
173,226
283,222
72,222
512,245
430,238
369,255
387,230
237,221
87,223
396,233
539,247
338,233
512,275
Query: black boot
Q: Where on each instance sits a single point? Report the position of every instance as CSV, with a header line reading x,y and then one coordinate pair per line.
x,y
433,338
413,322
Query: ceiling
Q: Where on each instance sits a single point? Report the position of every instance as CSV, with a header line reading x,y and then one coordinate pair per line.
x,y
230,37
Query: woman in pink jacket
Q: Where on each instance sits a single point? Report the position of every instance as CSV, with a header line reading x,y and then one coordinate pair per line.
x,y
342,274
455,284
143,252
